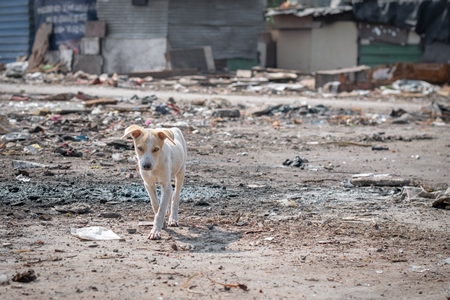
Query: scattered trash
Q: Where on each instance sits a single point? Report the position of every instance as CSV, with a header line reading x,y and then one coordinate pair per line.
x,y
288,202
117,157
4,280
16,69
25,277
95,233
297,162
80,138
21,164
119,144
414,86
5,125
438,199
23,178
66,150
145,223
16,136
33,149
419,269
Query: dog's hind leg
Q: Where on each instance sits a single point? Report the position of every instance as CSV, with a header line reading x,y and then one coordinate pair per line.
x,y
175,202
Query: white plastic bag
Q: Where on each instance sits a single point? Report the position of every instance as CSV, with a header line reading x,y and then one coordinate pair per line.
x,y
95,233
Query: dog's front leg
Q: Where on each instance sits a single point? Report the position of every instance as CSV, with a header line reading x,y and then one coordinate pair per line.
x,y
166,195
151,190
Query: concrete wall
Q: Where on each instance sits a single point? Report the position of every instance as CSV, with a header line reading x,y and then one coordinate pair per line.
x,y
331,46
334,46
129,55
294,49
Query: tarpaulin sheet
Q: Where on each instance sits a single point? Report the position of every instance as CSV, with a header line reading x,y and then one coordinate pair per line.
x,y
68,18
401,14
433,20
428,18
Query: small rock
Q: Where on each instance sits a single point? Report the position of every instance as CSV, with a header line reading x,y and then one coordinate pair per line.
x,y
379,148
111,215
241,223
201,203
131,230
226,113
258,111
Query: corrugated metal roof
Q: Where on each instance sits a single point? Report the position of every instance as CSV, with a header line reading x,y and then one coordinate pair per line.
x,y
125,21
230,27
315,12
16,29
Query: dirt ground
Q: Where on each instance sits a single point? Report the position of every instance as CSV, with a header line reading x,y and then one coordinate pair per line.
x,y
251,227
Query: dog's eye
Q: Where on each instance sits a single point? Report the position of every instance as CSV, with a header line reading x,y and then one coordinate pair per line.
x,y
155,150
140,148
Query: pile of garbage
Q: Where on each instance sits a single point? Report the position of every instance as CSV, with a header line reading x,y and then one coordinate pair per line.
x,y
76,125
256,81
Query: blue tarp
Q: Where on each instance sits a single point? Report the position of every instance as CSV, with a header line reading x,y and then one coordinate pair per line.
x,y
68,18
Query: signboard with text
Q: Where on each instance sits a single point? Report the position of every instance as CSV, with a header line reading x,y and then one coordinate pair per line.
x,y
68,18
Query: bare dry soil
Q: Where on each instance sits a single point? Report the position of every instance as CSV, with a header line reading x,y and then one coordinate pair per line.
x,y
251,227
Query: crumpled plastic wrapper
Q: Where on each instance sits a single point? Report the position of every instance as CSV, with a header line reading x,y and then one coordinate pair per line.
x,y
95,233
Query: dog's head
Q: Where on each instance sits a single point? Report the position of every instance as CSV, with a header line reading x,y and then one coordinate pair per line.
x,y
148,144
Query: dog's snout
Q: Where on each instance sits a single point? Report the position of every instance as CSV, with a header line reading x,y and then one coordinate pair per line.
x,y
147,166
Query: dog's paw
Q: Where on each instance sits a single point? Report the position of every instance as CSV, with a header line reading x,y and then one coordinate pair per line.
x,y
173,223
154,235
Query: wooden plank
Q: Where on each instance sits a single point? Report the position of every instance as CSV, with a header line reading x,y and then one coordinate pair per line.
x,y
101,101
40,46
164,73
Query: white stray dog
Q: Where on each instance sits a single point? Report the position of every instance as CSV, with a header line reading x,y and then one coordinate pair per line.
x,y
161,157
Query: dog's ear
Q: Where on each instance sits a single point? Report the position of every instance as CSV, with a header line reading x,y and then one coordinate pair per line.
x,y
134,130
166,134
